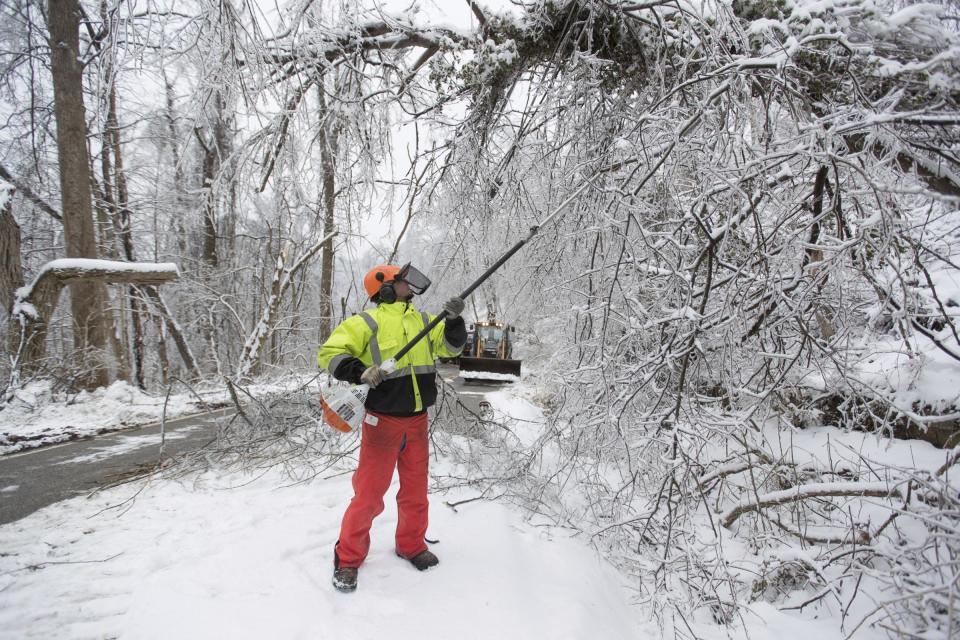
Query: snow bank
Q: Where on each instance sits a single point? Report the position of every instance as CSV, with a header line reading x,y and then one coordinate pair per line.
x,y
38,416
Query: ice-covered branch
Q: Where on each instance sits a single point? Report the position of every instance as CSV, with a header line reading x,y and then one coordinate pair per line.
x,y
814,490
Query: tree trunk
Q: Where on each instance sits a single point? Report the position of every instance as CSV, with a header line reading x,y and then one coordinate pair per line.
x,y
87,299
162,351
121,218
180,196
11,269
11,272
211,165
216,148
328,141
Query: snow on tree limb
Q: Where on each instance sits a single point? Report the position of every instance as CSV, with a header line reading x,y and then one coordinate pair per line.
x,y
60,272
69,269
813,490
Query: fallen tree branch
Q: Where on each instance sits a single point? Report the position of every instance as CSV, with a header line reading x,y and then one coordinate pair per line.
x,y
816,490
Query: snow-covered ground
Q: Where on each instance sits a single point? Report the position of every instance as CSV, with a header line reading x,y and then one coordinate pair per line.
x,y
228,555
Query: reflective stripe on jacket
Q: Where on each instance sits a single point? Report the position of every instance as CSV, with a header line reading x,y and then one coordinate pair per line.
x,y
375,336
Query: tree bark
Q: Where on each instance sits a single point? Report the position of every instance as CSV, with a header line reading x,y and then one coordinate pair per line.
x,y
211,165
328,141
87,299
11,269
180,195
216,147
162,351
121,219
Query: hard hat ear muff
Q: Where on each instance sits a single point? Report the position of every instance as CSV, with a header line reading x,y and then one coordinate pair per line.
x,y
387,293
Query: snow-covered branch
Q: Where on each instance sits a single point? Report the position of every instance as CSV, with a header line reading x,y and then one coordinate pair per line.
x,y
813,490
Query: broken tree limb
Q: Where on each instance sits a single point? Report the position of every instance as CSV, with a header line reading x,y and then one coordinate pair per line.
x,y
815,490
34,304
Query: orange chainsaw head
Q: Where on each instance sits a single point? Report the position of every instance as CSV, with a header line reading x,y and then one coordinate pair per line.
x,y
331,418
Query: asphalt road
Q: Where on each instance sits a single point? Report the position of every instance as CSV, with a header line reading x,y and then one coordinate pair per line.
x,y
36,478
470,393
33,479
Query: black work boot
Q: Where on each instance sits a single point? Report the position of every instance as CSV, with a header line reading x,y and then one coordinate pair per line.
x,y
345,579
424,560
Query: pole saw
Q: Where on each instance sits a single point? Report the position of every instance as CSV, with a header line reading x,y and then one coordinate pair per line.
x,y
343,406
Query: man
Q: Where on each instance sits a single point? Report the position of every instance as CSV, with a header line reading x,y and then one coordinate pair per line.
x,y
394,431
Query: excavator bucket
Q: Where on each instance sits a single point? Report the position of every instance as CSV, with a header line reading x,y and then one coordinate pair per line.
x,y
489,368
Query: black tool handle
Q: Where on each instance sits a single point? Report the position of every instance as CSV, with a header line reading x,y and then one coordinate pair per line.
x,y
466,292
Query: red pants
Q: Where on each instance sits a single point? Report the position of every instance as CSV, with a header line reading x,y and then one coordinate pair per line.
x,y
392,442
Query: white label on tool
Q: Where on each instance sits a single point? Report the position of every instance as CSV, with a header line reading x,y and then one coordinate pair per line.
x,y
371,420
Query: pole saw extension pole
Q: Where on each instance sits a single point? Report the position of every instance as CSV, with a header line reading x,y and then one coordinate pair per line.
x,y
489,272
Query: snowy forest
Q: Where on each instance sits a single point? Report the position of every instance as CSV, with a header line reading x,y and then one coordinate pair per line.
x,y
755,234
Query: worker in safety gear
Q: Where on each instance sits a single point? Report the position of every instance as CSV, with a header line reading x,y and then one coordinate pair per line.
x,y
394,429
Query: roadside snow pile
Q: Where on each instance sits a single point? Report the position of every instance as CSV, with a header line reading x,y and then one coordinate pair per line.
x,y
37,415
227,555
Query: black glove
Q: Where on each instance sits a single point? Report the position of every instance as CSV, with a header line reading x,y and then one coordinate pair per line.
x,y
372,376
453,307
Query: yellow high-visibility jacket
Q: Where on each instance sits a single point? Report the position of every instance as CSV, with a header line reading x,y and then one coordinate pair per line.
x,y
374,336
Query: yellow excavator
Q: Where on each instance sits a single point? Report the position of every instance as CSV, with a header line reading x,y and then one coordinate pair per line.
x,y
489,350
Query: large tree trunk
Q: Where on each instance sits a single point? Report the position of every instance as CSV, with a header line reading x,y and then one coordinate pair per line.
x,y
11,270
216,145
87,297
211,165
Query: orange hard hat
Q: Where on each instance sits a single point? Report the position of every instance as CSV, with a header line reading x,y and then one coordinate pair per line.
x,y
377,276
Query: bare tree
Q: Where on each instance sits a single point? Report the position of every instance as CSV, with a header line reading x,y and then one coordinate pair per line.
x,y
88,298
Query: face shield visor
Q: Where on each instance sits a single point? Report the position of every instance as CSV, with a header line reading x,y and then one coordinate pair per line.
x,y
417,282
